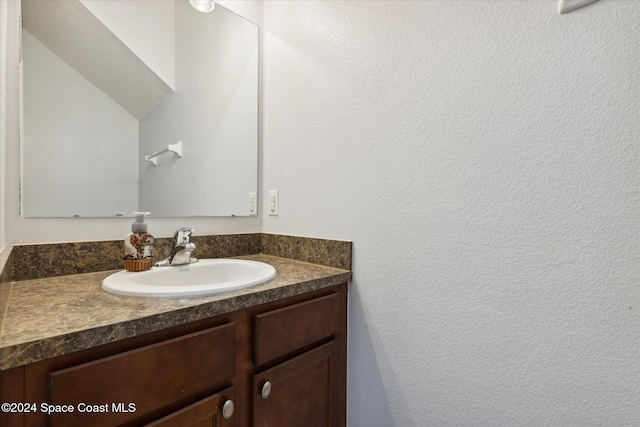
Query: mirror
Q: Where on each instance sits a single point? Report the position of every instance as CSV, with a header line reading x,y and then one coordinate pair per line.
x,y
107,83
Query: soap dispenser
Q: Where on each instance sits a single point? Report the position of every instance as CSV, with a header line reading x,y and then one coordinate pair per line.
x,y
138,245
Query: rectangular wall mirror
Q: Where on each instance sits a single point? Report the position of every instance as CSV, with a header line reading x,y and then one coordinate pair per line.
x,y
107,83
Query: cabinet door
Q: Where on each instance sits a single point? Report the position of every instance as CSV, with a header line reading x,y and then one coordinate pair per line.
x,y
303,391
146,378
214,411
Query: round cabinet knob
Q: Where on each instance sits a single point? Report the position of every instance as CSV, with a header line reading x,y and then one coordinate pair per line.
x,y
266,389
227,409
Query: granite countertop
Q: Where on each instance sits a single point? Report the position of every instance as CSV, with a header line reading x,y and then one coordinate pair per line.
x,y
44,318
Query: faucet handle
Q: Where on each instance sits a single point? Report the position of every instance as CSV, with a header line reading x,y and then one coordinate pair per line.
x,y
183,235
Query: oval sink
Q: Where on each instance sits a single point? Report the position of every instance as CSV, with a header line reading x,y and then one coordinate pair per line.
x,y
208,276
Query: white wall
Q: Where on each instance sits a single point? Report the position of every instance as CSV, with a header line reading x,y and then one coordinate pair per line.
x,y
45,230
147,28
484,158
219,130
248,9
70,125
3,103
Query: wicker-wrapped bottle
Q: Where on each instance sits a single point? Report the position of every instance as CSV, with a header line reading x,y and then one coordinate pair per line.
x,y
138,245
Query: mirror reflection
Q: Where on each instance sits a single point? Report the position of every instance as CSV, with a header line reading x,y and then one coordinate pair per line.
x,y
107,83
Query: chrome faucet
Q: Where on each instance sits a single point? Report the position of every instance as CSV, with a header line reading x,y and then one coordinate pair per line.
x,y
182,249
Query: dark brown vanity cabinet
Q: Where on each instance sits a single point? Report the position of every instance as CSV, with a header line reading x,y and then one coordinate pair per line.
x,y
277,364
125,386
303,390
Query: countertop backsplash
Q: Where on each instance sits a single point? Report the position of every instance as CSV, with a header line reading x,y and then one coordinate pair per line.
x,y
26,262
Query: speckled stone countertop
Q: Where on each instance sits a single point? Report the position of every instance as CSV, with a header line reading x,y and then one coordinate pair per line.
x,y
44,318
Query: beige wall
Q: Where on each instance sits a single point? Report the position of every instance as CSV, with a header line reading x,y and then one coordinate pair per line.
x,y
484,158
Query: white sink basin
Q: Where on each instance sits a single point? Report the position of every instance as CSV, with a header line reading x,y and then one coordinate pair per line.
x,y
208,276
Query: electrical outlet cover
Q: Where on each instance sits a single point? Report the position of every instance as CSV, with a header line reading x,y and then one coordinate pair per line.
x,y
253,208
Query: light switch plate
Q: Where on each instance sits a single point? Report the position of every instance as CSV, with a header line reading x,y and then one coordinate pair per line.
x,y
273,202
252,204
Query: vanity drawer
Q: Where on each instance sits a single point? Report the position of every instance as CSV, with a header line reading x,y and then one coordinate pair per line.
x,y
282,331
149,377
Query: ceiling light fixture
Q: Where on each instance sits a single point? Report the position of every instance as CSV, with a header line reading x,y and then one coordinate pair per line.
x,y
203,5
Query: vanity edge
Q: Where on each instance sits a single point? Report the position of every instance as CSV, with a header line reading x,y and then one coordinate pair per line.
x,y
102,318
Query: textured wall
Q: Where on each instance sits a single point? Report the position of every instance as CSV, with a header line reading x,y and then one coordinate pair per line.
x,y
484,158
